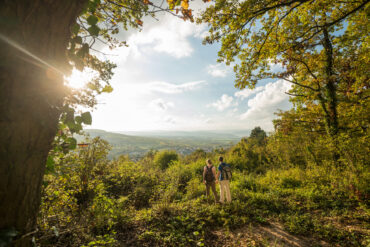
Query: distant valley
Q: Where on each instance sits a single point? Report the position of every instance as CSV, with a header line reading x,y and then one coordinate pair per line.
x,y
137,144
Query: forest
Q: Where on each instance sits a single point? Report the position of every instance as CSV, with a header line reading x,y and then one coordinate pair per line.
x,y
307,183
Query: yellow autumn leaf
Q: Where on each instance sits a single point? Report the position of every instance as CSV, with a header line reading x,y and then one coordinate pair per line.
x,y
139,22
185,4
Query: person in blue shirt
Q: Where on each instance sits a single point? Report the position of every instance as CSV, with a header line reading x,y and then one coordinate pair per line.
x,y
224,182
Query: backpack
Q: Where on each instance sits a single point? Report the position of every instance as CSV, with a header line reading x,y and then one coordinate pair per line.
x,y
209,176
226,172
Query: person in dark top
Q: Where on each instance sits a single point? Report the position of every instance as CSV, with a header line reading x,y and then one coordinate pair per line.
x,y
209,179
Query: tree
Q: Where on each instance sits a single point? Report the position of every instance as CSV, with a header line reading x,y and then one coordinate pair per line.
x,y
259,135
164,158
308,39
41,41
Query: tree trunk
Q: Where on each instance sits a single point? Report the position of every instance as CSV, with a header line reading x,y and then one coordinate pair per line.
x,y
330,92
330,87
34,37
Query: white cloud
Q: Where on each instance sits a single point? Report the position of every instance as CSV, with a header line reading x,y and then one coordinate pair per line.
x,y
245,93
169,120
263,106
209,121
138,101
218,70
161,105
169,88
223,103
201,31
170,36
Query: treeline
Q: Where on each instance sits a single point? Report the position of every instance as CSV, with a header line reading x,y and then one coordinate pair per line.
x,y
295,177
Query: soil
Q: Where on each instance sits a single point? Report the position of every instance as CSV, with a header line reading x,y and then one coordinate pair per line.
x,y
272,234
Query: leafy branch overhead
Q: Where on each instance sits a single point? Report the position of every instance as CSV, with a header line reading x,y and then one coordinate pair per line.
x,y
305,42
99,25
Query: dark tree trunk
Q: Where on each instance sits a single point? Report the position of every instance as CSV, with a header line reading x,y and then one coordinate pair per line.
x,y
34,36
330,93
330,88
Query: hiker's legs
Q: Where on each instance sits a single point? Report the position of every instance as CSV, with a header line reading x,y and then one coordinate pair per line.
x,y
222,191
213,186
227,190
207,190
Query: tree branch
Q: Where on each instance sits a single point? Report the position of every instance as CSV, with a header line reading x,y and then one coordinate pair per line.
x,y
301,85
297,95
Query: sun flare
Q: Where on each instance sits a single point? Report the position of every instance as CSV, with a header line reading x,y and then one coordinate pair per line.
x,y
79,79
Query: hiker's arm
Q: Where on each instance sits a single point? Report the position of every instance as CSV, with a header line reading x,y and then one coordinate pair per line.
x,y
214,173
218,174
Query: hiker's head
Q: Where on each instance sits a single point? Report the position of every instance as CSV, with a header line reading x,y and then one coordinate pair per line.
x,y
209,162
220,159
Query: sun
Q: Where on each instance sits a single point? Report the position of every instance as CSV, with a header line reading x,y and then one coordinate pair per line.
x,y
79,79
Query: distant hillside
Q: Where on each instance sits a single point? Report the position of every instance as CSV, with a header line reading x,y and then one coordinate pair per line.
x,y
233,134
183,142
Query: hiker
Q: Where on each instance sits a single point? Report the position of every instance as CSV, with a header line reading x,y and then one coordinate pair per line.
x,y
224,176
209,178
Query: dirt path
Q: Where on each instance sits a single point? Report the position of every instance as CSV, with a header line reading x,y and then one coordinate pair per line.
x,y
270,235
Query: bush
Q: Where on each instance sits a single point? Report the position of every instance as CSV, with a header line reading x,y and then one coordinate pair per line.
x,y
290,183
164,158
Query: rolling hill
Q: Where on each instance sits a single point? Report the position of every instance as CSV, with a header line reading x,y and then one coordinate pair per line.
x,y
137,144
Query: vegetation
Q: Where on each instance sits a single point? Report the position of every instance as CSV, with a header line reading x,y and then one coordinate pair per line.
x,y
38,112
160,200
311,175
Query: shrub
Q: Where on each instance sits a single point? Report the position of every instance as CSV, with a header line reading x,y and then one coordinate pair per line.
x,y
290,183
164,158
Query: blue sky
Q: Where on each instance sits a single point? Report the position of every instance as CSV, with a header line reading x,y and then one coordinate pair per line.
x,y
167,80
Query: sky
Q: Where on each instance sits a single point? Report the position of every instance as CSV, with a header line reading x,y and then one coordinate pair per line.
x,y
167,80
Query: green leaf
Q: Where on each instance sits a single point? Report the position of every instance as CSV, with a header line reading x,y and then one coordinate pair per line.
x,y
93,30
78,39
72,143
86,118
75,29
70,113
83,51
107,89
78,119
50,165
92,20
92,86
74,127
92,5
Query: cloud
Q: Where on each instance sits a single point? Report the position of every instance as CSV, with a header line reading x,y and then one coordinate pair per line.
x,y
263,106
223,103
218,70
169,88
209,121
169,120
169,36
161,105
245,93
